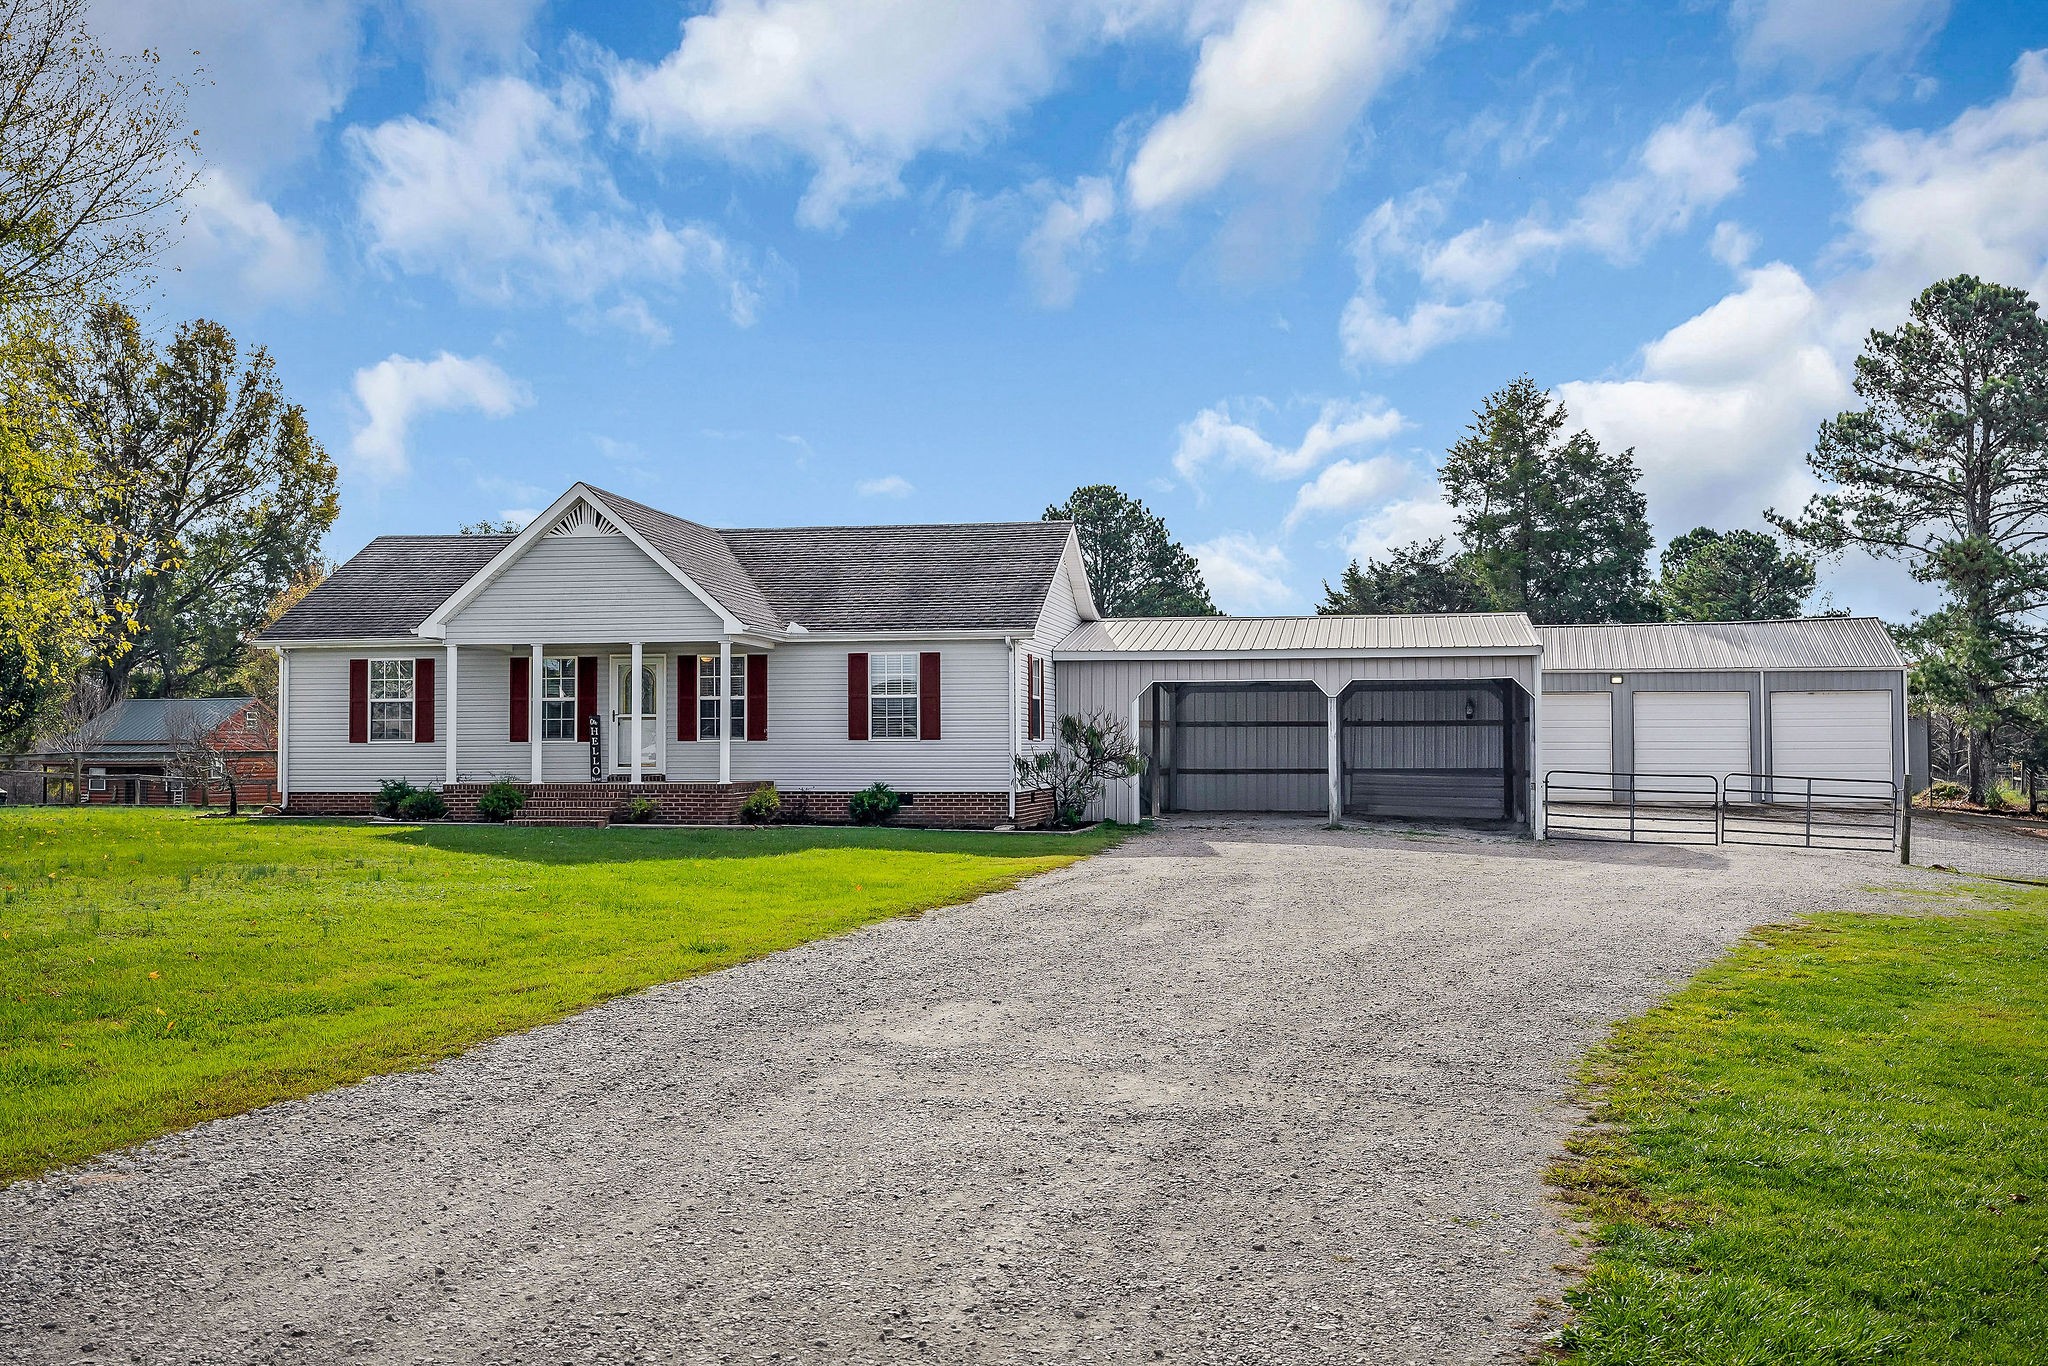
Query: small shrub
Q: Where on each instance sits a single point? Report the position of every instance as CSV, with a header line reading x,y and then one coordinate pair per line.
x,y
1942,790
501,801
2005,797
874,805
391,795
641,810
422,805
763,804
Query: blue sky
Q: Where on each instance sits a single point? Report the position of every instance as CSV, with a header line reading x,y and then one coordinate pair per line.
x,y
767,262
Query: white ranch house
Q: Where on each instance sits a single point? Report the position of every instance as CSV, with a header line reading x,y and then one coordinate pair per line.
x,y
612,651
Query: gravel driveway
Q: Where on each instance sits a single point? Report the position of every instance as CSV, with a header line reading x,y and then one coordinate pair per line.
x,y
1234,1092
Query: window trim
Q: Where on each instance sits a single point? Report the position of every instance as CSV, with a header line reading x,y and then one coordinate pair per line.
x,y
571,674
95,780
411,701
1034,699
914,696
735,702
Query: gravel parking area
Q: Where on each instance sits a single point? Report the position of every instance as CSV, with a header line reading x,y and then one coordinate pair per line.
x,y
1233,1092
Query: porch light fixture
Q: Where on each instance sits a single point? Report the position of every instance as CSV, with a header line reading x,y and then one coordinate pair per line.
x,y
1614,678
1471,708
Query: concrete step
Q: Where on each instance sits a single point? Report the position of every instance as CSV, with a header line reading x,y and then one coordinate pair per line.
x,y
579,822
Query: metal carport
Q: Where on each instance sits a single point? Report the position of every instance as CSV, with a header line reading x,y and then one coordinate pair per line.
x,y
1419,716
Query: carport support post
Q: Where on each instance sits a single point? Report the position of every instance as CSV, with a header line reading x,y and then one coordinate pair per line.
x,y
1336,759
1538,826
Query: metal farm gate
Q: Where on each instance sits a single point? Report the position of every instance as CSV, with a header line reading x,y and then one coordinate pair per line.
x,y
1776,810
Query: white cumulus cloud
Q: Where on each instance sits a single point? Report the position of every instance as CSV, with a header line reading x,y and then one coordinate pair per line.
x,y
1214,438
500,193
1067,239
1244,574
233,234
1682,169
1275,94
399,389
855,88
887,486
1347,484
1824,37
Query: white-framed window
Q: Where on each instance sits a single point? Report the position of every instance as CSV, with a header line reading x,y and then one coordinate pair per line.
x,y
96,781
892,697
391,699
558,699
1035,705
250,720
707,697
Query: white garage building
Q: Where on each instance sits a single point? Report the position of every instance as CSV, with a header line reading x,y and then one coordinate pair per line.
x,y
1464,716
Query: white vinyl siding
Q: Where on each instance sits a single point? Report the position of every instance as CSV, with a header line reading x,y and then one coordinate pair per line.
x,y
807,746
1578,740
1832,735
1692,732
583,587
1056,620
323,760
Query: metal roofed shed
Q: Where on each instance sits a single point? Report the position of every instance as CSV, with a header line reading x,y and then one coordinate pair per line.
x,y
1768,704
1424,717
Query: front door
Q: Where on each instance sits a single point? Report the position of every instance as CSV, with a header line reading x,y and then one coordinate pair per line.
x,y
648,706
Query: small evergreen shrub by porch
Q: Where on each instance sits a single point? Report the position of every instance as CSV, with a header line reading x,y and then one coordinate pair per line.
x,y
762,806
422,804
391,795
641,810
501,801
874,805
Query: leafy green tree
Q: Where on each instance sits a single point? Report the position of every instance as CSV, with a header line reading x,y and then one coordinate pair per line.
x,y
1423,577
94,153
1551,524
46,534
1945,469
1708,575
1136,568
492,526
211,495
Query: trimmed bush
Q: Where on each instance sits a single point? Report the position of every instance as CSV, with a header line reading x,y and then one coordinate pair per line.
x,y
391,795
422,805
874,805
763,805
501,801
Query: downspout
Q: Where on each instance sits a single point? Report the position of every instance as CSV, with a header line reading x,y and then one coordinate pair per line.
x,y
1010,643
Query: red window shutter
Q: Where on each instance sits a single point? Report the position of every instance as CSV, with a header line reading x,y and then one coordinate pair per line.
x,y
359,701
857,695
586,694
757,697
423,701
521,699
686,697
928,695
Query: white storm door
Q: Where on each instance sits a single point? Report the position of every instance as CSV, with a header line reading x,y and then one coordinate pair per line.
x,y
649,706
1578,743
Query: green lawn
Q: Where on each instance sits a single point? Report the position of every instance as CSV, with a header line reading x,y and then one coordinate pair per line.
x,y
157,969
1831,1147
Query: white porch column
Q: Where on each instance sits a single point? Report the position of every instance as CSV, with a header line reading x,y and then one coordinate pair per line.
x,y
284,728
454,709
725,709
634,703
1138,778
533,690
1336,725
1539,826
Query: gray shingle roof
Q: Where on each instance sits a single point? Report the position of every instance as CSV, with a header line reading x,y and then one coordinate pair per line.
x,y
1807,643
972,576
701,553
1280,635
962,577
390,586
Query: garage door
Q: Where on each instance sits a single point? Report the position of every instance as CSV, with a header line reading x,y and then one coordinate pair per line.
x,y
1832,734
1692,732
1578,739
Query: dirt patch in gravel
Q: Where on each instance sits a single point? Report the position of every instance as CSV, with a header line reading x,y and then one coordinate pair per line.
x,y
1235,1092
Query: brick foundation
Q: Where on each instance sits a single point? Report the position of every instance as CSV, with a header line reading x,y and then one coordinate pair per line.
x,y
705,804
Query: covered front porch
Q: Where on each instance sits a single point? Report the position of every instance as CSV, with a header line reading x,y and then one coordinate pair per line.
x,y
626,713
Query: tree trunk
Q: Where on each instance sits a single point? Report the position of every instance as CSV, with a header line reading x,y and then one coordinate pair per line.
x,y
1980,747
